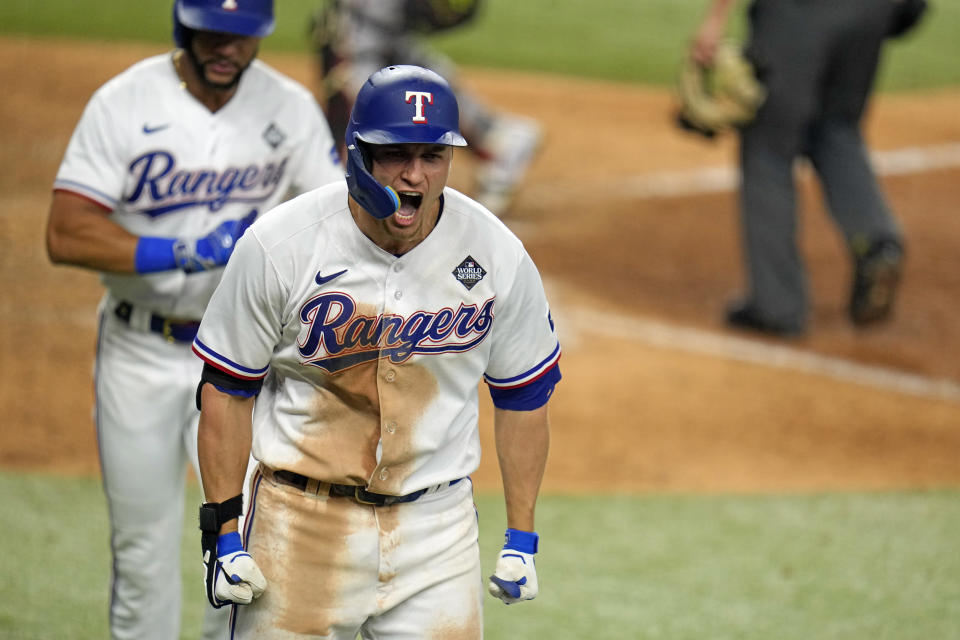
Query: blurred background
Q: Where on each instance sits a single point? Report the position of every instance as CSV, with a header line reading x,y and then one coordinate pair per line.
x,y
702,483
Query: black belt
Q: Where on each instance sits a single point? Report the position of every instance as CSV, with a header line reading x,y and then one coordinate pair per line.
x,y
356,492
172,329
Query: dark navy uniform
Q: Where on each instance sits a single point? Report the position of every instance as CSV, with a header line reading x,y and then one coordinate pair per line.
x,y
818,60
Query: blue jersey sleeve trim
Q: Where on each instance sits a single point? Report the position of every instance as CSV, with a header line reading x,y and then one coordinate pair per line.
x,y
533,373
210,356
530,396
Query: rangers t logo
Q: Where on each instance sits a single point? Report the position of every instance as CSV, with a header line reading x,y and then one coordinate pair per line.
x,y
418,101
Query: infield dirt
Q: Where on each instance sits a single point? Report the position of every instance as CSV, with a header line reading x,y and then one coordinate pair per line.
x,y
664,400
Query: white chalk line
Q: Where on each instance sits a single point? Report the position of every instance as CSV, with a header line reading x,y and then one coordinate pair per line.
x,y
905,161
723,179
701,342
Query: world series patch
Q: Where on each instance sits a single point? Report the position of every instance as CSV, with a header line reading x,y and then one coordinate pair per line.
x,y
273,136
469,272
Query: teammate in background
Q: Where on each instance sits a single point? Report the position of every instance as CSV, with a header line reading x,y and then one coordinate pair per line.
x,y
354,38
362,317
169,164
818,60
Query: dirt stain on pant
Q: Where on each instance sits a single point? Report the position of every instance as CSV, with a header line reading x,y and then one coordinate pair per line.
x,y
319,557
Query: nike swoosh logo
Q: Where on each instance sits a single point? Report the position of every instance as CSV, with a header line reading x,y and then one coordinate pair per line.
x,y
322,279
147,129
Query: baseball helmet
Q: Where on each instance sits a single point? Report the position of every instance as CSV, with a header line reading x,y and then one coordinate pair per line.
x,y
241,17
396,105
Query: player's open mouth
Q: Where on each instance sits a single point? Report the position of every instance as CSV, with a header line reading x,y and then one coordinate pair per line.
x,y
409,205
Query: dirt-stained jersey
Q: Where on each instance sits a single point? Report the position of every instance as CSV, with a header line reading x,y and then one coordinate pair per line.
x,y
371,361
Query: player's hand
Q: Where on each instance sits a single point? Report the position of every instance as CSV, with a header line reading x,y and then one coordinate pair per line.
x,y
515,576
238,579
703,49
213,249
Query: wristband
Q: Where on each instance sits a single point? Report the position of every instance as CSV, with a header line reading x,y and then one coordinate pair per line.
x,y
523,541
212,517
214,514
154,254
229,543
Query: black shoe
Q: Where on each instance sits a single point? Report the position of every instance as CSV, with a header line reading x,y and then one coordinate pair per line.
x,y
743,315
875,282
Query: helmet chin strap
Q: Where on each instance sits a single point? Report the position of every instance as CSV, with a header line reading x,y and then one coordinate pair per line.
x,y
379,201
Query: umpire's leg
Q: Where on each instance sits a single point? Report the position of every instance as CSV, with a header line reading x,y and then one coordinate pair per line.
x,y
837,148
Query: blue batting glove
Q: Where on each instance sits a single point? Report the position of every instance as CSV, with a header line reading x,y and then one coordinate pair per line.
x,y
515,577
213,249
238,579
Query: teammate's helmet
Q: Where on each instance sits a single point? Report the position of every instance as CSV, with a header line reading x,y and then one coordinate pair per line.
x,y
241,17
396,105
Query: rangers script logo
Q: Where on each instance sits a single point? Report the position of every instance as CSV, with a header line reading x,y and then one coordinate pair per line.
x,y
339,338
161,186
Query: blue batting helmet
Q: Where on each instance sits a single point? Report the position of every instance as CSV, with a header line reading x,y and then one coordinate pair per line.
x,y
396,105
241,17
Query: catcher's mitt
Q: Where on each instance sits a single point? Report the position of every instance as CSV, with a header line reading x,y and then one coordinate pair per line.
x,y
724,95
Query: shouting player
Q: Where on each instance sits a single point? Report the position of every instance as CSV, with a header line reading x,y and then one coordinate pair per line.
x,y
169,164
362,316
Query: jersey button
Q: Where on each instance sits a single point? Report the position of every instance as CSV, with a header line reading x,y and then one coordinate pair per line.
x,y
391,426
390,376
398,294
384,474
398,267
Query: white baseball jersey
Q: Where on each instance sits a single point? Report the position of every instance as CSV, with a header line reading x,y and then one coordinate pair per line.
x,y
165,165
372,361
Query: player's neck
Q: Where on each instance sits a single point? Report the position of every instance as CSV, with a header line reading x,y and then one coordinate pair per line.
x,y
391,240
213,98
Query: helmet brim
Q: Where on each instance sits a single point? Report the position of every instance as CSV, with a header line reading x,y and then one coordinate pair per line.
x,y
237,22
423,135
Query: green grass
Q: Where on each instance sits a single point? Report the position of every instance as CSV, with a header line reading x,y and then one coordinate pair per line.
x,y
623,40
879,566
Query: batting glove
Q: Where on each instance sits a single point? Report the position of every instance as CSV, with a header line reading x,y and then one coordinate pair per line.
x,y
515,576
237,579
213,249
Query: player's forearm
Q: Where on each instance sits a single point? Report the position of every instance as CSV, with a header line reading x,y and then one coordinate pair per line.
x,y
223,445
80,233
719,11
523,440
711,30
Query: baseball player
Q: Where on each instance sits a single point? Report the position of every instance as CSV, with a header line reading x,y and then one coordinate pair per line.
x,y
817,60
170,162
362,316
355,38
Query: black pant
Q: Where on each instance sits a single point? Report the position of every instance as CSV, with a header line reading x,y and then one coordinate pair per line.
x,y
818,60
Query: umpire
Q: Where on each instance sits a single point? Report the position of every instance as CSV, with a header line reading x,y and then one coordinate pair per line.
x,y
818,60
